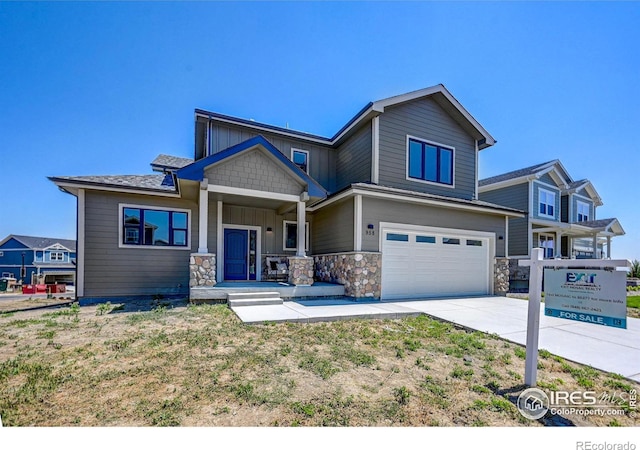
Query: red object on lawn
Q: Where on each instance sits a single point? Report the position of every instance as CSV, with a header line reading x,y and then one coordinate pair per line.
x,y
29,289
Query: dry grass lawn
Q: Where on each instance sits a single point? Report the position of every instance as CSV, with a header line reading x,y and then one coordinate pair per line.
x,y
183,365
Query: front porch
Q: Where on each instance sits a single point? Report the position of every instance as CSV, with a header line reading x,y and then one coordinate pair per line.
x,y
220,291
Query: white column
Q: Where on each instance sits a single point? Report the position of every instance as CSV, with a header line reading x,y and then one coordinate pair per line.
x,y
301,229
219,243
608,247
203,223
533,317
357,220
595,246
558,247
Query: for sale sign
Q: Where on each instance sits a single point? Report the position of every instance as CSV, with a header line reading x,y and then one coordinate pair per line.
x,y
592,296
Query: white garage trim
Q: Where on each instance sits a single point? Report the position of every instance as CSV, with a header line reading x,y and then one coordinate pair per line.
x,y
423,261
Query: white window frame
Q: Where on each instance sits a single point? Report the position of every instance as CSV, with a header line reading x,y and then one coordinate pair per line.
x,y
436,144
284,235
122,206
59,256
547,238
582,205
546,203
306,152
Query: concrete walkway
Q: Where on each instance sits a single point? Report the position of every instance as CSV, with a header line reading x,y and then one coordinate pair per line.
x,y
609,349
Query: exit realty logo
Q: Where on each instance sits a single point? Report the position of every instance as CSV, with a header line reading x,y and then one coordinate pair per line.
x,y
583,279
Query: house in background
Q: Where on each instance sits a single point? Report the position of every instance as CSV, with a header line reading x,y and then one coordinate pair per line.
x,y
33,259
561,215
387,207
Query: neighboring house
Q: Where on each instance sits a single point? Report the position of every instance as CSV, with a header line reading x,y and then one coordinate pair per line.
x,y
31,259
561,215
387,207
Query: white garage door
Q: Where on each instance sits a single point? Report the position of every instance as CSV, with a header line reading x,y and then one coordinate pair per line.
x,y
433,263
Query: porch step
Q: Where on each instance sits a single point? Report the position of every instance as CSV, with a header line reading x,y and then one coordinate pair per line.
x,y
254,298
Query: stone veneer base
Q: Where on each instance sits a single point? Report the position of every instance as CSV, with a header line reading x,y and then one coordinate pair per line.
x,y
202,270
359,272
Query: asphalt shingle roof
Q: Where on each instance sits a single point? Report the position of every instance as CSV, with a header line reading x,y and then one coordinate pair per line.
x,y
159,182
170,162
35,242
600,223
514,174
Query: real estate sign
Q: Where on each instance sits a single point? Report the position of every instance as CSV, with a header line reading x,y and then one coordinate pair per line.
x,y
593,296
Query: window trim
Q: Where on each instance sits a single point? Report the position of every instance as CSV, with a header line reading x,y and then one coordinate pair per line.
x,y
57,253
584,204
284,235
548,237
121,244
547,191
436,144
293,150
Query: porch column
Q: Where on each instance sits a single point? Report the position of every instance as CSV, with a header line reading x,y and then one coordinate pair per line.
x,y
558,245
203,217
595,246
608,247
301,227
219,242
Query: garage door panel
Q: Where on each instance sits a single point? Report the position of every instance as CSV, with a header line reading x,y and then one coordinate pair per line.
x,y
421,264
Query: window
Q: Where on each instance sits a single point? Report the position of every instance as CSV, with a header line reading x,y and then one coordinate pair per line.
x,y
548,244
56,256
451,241
474,243
583,211
301,159
426,239
429,162
547,201
290,236
397,237
154,227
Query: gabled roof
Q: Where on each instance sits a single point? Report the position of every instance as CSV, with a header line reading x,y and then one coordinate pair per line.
x,y
146,183
163,163
516,174
586,185
195,171
611,225
439,93
40,243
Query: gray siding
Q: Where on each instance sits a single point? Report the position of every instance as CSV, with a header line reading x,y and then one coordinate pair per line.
x,y
322,161
354,159
375,211
332,229
564,208
536,207
514,197
425,119
254,170
114,271
546,178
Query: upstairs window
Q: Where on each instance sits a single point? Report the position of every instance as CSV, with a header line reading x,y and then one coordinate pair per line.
x,y
56,256
583,211
301,159
154,227
429,162
547,201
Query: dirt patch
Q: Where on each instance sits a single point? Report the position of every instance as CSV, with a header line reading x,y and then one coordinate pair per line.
x,y
173,364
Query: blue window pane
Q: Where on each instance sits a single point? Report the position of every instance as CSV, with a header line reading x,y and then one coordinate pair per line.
x,y
446,166
300,159
426,239
431,163
451,241
180,237
131,216
156,227
415,159
397,237
179,220
550,210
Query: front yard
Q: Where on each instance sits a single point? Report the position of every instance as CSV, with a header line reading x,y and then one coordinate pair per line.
x,y
178,364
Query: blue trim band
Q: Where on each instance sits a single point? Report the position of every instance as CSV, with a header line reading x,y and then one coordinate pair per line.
x,y
615,322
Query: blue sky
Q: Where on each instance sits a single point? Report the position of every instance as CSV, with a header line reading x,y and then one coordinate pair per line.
x,y
102,88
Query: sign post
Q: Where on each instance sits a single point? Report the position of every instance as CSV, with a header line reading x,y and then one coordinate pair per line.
x,y
572,304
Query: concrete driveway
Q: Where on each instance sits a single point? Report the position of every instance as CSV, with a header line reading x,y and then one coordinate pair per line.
x,y
609,349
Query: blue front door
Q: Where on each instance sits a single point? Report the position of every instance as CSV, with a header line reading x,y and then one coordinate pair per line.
x,y
236,253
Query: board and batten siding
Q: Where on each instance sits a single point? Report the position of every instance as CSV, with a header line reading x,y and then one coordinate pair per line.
x,y
376,210
354,159
332,229
513,197
113,271
322,159
425,119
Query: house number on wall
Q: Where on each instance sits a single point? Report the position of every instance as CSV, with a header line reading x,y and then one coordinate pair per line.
x,y
370,232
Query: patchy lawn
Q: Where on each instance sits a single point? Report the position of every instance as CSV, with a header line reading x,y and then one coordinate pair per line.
x,y
184,365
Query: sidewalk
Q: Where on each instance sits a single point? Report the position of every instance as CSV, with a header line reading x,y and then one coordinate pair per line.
x,y
609,349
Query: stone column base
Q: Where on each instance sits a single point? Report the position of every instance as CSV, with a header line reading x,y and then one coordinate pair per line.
x,y
359,272
301,270
501,276
202,270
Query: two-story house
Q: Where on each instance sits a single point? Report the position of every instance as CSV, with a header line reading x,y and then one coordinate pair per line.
x,y
387,207
561,215
33,259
